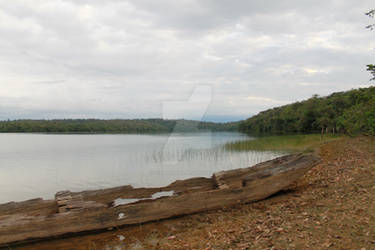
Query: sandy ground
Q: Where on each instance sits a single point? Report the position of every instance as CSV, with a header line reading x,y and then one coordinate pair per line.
x,y
333,206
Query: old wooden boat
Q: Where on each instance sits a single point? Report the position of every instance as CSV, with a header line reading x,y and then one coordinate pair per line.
x,y
87,211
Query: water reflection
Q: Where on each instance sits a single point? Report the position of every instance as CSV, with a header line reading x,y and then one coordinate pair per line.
x,y
39,165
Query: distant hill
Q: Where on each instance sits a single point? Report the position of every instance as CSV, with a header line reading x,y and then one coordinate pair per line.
x,y
112,126
351,112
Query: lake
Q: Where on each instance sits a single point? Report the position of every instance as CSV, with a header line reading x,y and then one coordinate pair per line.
x,y
39,165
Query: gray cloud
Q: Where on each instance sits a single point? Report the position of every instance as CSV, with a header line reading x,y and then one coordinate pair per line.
x,y
123,59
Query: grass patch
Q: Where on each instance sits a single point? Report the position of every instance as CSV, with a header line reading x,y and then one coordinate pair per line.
x,y
289,143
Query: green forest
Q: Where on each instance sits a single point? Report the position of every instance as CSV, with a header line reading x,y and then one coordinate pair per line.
x,y
111,126
351,112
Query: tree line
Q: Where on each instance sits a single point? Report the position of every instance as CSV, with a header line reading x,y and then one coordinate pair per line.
x,y
349,112
111,126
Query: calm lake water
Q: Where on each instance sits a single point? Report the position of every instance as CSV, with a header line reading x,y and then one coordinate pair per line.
x,y
39,165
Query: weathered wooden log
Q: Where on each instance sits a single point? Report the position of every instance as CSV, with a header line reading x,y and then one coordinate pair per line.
x,y
102,209
68,201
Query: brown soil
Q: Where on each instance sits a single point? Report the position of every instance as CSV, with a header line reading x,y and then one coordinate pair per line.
x,y
333,206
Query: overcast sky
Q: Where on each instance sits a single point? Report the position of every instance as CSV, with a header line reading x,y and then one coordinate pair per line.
x,y
134,59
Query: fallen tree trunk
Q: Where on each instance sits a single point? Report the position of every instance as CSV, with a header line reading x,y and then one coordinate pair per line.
x,y
95,210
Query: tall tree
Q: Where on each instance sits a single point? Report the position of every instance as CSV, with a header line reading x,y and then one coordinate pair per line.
x,y
371,67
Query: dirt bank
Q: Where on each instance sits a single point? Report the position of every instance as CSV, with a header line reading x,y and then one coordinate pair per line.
x,y
333,206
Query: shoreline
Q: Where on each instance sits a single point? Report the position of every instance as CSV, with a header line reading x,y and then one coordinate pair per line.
x,y
123,206
333,205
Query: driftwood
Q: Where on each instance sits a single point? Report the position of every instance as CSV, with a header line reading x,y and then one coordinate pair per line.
x,y
104,209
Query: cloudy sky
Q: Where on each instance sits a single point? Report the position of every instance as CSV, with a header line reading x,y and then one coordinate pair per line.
x,y
137,59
